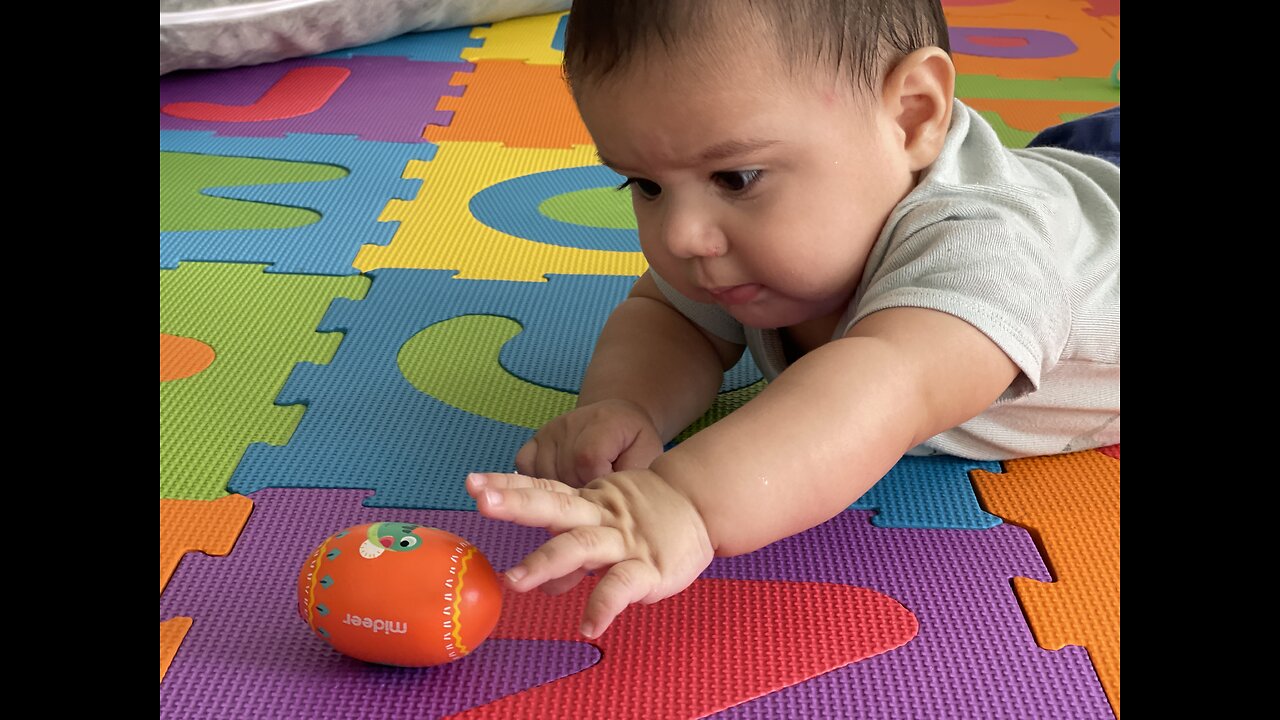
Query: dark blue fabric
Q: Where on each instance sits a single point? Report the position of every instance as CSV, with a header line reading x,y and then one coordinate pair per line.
x,y
1097,134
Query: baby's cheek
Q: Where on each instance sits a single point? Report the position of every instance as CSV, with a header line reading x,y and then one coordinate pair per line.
x,y
648,237
661,261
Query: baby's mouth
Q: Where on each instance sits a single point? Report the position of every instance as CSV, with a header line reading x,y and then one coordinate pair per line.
x,y
736,294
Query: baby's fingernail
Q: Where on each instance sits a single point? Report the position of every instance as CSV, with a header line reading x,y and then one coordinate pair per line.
x,y
516,574
476,480
587,629
494,497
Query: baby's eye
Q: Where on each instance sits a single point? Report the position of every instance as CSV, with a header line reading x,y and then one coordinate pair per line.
x,y
736,180
648,188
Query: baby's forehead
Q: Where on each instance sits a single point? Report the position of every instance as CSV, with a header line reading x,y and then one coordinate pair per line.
x,y
741,92
713,75
718,73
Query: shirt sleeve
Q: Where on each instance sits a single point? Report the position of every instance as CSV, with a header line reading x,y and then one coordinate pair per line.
x,y
713,318
993,266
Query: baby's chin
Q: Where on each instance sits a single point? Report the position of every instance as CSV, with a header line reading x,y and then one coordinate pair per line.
x,y
772,309
768,313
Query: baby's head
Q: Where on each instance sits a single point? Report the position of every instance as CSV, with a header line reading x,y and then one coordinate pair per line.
x,y
765,142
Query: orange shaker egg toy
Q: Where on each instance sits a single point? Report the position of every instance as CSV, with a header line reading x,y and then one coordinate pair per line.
x,y
399,594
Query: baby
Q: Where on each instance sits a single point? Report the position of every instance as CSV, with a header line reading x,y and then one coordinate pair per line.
x,y
806,185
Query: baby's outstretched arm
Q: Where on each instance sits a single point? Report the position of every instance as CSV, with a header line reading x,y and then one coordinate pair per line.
x,y
808,446
653,373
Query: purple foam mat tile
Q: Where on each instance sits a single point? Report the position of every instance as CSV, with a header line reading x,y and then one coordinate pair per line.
x,y
405,92
248,687
249,655
974,656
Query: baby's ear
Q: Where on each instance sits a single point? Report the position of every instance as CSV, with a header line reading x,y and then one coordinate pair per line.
x,y
918,95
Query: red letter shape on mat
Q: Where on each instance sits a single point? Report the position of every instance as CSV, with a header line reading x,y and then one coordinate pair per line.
x,y
715,645
299,92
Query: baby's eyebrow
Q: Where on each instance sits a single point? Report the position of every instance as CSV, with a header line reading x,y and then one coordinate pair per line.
x,y
732,148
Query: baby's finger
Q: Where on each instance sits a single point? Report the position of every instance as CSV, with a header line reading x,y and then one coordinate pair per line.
x,y
513,481
525,457
531,507
560,586
544,464
567,463
626,583
582,548
595,449
643,451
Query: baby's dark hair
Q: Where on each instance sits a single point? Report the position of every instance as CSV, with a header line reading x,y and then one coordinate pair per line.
x,y
860,37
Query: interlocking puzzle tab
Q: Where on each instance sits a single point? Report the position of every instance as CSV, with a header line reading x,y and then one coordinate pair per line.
x,y
258,325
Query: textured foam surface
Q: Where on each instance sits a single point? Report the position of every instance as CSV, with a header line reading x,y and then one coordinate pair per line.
x,y
437,230
210,527
1031,39
974,656
545,115
436,46
249,653
667,661
367,426
527,207
1071,503
172,632
348,207
308,95
182,357
185,206
529,39
259,325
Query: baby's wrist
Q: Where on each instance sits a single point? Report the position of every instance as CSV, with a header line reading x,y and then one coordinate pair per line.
x,y
686,478
647,491
627,405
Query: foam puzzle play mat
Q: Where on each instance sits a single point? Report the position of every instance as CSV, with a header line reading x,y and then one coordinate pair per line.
x,y
385,267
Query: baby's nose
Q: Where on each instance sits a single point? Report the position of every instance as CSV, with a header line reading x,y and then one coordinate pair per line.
x,y
690,234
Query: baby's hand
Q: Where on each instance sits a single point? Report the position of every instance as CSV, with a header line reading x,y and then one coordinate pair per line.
x,y
648,533
591,441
